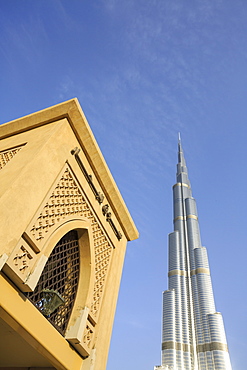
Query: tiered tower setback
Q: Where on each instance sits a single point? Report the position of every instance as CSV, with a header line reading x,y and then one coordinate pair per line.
x,y
193,335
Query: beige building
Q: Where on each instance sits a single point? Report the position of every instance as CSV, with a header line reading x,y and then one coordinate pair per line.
x,y
64,230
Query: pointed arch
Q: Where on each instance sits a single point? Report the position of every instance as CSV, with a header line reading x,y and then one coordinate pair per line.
x,y
68,254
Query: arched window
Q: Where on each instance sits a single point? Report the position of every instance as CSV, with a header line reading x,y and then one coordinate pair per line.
x,y
59,280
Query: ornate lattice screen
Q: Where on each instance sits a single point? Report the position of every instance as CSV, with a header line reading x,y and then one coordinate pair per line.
x,y
7,155
61,274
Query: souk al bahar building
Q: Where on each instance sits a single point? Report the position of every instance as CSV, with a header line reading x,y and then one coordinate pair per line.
x,y
64,227
193,334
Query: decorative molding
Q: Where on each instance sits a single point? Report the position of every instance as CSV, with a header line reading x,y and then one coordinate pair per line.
x,y
98,196
105,211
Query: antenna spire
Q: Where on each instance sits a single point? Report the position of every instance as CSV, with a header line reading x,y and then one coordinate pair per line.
x,y
182,174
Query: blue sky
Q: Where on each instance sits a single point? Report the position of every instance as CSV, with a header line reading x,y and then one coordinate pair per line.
x,y
144,70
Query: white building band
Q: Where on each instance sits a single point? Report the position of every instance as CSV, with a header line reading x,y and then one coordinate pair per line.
x,y
193,335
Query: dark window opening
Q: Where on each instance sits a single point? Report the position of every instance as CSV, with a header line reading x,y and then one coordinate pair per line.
x,y
60,274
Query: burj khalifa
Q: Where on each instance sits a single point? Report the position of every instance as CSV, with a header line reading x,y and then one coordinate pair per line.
x,y
193,334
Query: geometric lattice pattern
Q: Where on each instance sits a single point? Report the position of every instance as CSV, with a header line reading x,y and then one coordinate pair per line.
x,y
102,250
61,273
67,200
88,335
7,155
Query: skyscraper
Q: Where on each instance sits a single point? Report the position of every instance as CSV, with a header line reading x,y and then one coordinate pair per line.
x,y
193,335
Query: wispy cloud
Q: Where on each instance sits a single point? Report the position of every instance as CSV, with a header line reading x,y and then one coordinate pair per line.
x,y
66,88
110,5
19,41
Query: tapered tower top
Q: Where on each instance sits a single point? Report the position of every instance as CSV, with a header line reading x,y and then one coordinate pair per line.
x,y
182,173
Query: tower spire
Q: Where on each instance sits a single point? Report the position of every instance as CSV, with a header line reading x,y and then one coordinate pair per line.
x,y
182,172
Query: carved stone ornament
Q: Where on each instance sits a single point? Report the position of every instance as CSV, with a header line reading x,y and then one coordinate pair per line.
x,y
7,155
20,263
105,209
